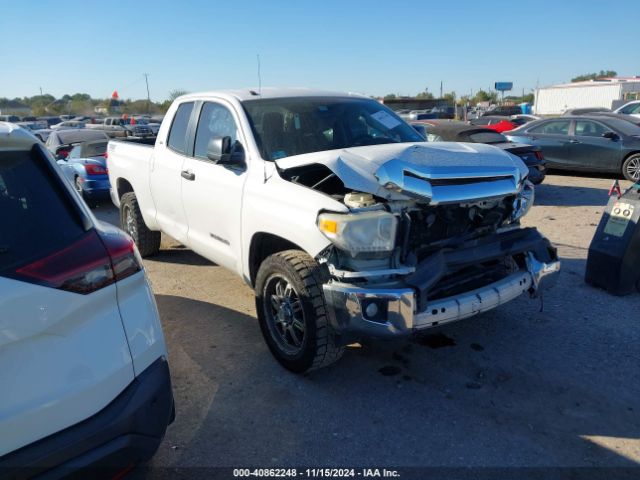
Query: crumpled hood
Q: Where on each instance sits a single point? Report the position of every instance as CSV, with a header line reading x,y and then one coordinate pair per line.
x,y
438,172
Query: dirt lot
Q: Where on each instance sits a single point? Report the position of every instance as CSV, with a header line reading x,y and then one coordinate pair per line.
x,y
517,387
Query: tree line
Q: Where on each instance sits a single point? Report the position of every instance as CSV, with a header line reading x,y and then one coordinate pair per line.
x,y
84,104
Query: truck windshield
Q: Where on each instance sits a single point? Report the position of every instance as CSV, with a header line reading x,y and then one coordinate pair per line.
x,y
284,127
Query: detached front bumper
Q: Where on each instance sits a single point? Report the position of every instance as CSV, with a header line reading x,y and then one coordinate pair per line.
x,y
402,311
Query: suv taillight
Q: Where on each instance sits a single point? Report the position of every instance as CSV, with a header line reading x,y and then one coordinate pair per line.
x,y
91,263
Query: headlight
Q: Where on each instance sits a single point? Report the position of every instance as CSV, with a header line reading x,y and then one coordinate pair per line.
x,y
360,232
524,201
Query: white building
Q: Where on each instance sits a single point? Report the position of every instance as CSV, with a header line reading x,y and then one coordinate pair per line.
x,y
606,92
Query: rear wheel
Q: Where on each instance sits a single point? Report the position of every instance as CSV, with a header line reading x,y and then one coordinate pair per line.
x,y
292,312
131,221
78,185
631,168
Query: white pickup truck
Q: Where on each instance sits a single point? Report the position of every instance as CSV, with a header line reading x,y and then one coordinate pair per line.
x,y
338,214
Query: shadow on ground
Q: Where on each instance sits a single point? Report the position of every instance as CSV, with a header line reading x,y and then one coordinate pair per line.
x,y
515,387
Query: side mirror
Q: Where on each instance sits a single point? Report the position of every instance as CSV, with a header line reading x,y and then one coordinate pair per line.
x,y
610,135
221,151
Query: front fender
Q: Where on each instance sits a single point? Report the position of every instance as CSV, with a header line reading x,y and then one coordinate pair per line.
x,y
287,210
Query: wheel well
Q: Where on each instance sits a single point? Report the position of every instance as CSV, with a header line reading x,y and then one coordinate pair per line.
x,y
123,187
263,245
632,153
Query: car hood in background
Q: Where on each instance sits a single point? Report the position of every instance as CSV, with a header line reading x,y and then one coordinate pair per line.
x,y
439,172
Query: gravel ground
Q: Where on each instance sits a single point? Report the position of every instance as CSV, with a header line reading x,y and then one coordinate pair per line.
x,y
516,387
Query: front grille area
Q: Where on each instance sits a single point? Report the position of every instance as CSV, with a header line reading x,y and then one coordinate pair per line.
x,y
431,228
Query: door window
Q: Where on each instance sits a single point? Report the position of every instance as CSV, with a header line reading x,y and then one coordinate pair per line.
x,y
585,128
553,127
178,133
631,109
215,121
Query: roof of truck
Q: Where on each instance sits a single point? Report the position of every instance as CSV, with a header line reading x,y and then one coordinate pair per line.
x,y
272,92
13,137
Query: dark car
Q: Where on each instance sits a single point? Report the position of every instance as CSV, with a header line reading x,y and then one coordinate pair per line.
x,y
60,142
585,111
505,111
621,116
594,143
50,120
461,132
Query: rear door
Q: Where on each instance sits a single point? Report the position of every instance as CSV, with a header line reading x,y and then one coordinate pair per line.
x,y
63,354
211,193
553,138
589,150
166,179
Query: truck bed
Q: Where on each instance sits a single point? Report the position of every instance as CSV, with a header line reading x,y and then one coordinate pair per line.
x,y
129,163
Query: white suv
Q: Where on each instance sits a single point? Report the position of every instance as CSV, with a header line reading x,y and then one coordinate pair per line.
x,y
84,380
631,108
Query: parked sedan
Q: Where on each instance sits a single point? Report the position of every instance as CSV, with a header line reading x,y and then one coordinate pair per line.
x,y
59,142
444,131
589,143
68,124
495,122
86,168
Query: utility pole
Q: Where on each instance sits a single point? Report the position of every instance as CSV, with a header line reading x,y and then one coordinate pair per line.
x,y
440,88
146,79
40,91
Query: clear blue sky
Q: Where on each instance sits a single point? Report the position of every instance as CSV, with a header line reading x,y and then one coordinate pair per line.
x,y
373,47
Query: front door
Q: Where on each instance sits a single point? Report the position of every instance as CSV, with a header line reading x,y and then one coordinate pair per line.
x,y
212,193
588,149
553,138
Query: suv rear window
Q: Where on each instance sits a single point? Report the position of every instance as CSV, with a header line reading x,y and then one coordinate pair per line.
x,y
35,216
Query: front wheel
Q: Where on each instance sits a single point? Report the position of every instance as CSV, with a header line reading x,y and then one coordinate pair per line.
x,y
292,312
131,221
631,168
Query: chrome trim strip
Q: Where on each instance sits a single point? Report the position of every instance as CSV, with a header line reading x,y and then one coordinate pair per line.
x,y
340,274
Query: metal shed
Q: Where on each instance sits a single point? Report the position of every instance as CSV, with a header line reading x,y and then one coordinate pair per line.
x,y
606,92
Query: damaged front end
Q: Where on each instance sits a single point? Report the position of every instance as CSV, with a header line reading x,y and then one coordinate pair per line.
x,y
432,242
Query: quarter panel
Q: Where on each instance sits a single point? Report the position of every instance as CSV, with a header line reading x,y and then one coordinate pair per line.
x,y
63,357
141,321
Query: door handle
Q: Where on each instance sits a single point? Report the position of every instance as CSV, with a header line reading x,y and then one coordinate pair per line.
x,y
187,175
574,141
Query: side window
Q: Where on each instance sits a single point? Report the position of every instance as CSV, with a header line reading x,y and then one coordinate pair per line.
x,y
75,152
633,108
178,133
215,121
586,128
553,127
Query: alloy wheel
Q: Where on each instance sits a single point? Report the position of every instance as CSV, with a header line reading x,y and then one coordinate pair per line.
x,y
285,316
633,168
130,223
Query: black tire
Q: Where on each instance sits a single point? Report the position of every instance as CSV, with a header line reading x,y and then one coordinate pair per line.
x,y
131,221
317,347
631,168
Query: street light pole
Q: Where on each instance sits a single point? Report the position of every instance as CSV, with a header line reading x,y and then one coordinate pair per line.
x,y
146,79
